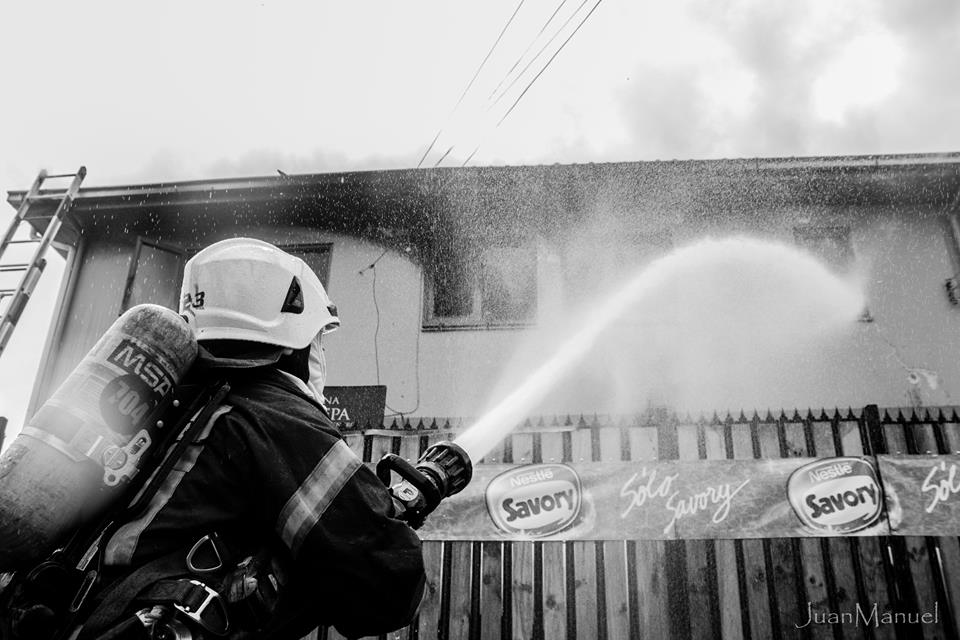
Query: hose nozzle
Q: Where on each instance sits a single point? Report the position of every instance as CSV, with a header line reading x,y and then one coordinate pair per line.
x,y
442,471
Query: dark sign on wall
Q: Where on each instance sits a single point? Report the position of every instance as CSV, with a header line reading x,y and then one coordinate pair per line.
x,y
356,407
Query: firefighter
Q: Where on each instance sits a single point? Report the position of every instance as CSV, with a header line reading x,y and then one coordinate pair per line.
x,y
269,525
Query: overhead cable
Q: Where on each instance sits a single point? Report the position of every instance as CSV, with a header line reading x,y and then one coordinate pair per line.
x,y
527,50
547,64
556,33
527,88
472,80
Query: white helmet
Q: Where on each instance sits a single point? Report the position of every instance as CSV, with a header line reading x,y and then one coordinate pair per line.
x,y
246,289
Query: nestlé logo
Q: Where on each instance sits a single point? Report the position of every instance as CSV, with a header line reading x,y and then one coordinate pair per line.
x,y
535,500
836,495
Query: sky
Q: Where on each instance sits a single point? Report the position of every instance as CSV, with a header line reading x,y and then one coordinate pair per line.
x,y
147,92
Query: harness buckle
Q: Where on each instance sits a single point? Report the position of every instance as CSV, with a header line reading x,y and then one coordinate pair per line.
x,y
89,580
211,604
213,561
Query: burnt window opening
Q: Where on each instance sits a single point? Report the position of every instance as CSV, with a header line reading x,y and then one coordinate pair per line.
x,y
491,287
452,290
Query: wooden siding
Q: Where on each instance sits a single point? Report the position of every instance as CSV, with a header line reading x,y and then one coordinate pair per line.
x,y
686,589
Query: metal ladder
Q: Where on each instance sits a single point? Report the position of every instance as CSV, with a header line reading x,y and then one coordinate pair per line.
x,y
20,295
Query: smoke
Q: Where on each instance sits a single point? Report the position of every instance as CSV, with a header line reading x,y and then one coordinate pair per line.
x,y
753,78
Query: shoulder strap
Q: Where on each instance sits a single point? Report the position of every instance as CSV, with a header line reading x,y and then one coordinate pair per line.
x,y
209,401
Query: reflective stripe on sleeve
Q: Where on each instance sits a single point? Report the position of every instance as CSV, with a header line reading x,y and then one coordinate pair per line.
x,y
307,505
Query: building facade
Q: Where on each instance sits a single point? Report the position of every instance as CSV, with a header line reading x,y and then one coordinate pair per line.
x,y
650,290
453,284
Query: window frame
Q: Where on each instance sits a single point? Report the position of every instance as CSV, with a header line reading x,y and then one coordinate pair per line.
x,y
476,320
142,241
314,247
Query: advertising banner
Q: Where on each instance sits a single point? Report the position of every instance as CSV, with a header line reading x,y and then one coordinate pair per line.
x,y
667,499
922,494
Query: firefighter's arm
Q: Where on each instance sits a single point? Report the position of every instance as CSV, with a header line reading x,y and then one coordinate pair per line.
x,y
336,518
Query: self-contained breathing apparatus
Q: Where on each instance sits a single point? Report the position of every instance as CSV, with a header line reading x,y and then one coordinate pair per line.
x,y
91,459
103,445
116,449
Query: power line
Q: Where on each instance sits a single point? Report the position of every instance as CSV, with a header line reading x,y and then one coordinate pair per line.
x,y
487,57
472,80
527,88
445,154
432,142
539,73
529,46
539,53
519,59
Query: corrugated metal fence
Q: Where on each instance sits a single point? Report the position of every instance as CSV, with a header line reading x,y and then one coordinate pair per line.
x,y
679,589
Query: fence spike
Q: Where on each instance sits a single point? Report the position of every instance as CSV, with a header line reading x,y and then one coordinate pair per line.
x,y
796,415
823,415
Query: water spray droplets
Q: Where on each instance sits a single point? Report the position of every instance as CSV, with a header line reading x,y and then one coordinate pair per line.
x,y
695,311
